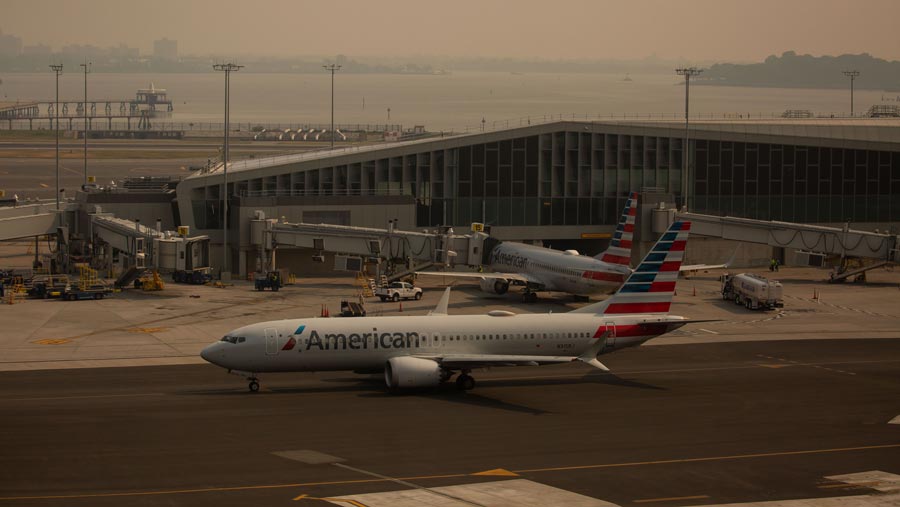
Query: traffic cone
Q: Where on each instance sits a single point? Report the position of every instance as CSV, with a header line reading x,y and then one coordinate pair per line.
x,y
401,306
695,290
327,313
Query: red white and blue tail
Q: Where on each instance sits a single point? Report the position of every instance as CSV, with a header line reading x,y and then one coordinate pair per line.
x,y
619,251
651,286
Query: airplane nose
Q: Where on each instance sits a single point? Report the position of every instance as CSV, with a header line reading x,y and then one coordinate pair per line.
x,y
208,353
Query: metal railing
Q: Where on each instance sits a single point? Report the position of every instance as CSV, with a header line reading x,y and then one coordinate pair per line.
x,y
345,192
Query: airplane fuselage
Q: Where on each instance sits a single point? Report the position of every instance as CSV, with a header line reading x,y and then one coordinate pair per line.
x,y
559,271
322,344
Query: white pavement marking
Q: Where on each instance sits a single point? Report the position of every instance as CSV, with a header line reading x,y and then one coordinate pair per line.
x,y
708,331
875,479
515,492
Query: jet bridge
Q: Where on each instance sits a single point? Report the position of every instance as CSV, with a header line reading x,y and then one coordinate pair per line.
x,y
29,220
151,247
877,248
409,249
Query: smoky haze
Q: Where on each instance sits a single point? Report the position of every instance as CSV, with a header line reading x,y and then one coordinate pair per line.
x,y
698,30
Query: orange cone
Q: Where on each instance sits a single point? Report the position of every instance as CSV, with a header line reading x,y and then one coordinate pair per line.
x,y
695,291
401,306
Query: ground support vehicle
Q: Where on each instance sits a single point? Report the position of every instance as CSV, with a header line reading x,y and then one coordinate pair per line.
x,y
75,293
271,280
753,291
193,277
397,291
48,286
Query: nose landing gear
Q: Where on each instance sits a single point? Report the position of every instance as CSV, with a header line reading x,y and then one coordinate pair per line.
x,y
254,384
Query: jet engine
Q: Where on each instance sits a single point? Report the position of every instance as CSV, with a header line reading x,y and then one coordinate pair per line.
x,y
494,286
405,371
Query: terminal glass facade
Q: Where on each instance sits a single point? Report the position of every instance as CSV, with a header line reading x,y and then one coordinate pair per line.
x,y
790,183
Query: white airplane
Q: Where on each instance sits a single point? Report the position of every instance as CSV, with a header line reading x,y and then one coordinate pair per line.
x,y
545,269
425,351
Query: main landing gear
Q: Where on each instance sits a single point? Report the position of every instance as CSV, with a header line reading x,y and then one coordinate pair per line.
x,y
529,296
465,382
254,384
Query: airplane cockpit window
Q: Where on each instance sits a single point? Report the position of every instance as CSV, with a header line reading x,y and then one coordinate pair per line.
x,y
241,339
229,339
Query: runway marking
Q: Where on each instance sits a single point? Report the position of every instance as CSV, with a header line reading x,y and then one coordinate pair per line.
x,y
498,472
354,503
713,458
452,476
708,331
83,397
52,341
671,499
148,330
844,485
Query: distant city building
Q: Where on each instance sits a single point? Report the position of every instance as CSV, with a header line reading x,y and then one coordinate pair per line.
x,y
37,50
10,45
165,49
124,52
87,52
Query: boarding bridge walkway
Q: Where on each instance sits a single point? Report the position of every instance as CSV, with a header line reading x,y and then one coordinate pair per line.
x,y
415,248
30,220
843,242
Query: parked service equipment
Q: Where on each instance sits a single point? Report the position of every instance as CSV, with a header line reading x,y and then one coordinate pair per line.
x,y
753,291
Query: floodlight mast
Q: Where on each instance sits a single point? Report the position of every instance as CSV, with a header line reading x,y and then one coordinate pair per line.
x,y
687,72
87,70
852,74
57,69
332,68
227,68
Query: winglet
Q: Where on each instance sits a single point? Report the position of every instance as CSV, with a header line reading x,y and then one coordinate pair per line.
x,y
441,308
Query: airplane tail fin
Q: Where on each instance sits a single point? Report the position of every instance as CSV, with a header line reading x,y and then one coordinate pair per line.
x,y
619,251
651,286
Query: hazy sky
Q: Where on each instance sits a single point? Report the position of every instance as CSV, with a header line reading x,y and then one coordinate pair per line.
x,y
697,30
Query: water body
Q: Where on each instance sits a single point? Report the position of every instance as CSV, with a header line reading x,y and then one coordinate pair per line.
x,y
440,102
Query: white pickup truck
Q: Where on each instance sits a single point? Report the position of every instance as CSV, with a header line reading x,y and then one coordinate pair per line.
x,y
397,291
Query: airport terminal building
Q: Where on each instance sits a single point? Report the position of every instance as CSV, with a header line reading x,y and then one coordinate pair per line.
x,y
562,183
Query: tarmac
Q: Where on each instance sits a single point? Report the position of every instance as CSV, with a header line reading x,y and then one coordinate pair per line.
x,y
107,403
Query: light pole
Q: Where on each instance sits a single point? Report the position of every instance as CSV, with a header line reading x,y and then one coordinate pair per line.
x,y
57,69
852,74
687,72
332,68
227,68
87,70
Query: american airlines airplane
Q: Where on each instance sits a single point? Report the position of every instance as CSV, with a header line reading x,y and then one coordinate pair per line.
x,y
545,269
425,351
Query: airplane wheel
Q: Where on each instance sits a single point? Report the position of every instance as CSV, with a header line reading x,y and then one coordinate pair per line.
x,y
465,382
529,297
254,386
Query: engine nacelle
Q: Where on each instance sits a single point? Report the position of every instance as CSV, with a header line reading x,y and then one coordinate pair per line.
x,y
494,286
405,371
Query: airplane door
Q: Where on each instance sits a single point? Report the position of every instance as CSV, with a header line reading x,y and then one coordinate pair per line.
x,y
271,341
611,329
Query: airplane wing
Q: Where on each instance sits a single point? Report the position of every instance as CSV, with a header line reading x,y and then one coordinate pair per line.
x,y
464,361
513,278
693,268
701,267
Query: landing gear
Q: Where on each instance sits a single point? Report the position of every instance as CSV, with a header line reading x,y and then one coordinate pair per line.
x,y
465,382
254,385
529,297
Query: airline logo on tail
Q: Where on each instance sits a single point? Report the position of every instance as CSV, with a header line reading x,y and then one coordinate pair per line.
x,y
619,251
650,288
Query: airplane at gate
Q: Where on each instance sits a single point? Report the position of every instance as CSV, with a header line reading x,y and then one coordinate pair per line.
x,y
424,351
545,269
